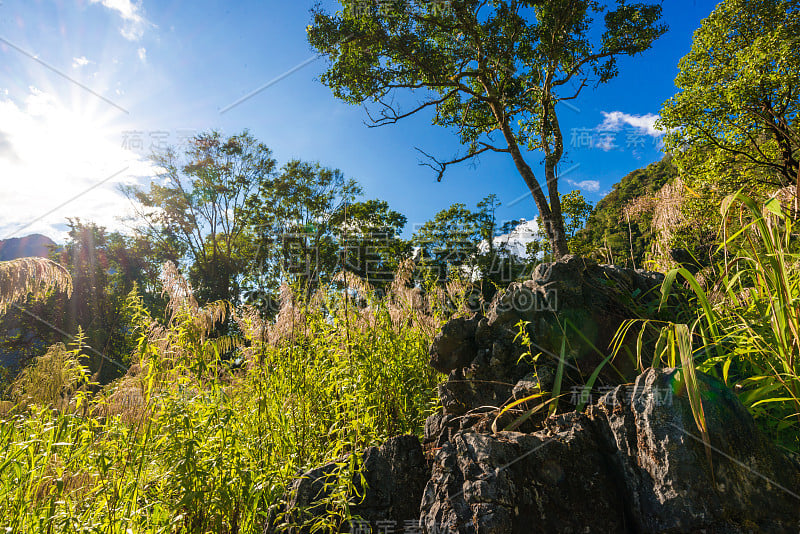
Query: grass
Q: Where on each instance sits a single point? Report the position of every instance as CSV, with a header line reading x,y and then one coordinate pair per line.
x,y
187,442
746,330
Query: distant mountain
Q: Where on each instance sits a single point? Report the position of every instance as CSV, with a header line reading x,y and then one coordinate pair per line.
x,y
24,247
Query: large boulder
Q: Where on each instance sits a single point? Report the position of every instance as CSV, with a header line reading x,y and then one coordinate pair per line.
x,y
657,451
554,480
572,300
454,346
635,463
395,475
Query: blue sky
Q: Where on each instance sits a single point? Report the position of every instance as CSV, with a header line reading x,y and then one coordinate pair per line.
x,y
88,86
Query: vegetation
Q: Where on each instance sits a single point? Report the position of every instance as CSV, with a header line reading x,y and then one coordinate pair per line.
x,y
190,442
36,276
745,331
200,210
264,319
621,228
488,68
733,120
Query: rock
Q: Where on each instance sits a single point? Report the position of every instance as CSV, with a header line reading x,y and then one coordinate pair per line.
x,y
470,389
396,474
634,463
550,481
657,452
573,296
527,386
454,346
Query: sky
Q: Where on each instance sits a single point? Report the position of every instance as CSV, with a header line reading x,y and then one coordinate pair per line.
x,y
88,88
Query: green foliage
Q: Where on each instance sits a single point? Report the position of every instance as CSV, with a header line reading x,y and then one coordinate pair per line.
x,y
309,227
103,268
449,241
185,442
370,242
747,331
52,380
576,212
459,244
484,67
734,119
613,236
198,214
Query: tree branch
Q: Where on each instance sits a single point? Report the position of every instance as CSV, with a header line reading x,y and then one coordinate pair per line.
x,y
441,166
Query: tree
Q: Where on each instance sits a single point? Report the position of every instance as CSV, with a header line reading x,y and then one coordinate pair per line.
x,y
291,222
460,242
370,242
309,227
576,211
487,69
105,268
101,269
734,119
449,241
201,212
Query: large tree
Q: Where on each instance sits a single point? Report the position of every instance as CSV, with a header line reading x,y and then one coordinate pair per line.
x,y
309,227
734,119
493,71
199,211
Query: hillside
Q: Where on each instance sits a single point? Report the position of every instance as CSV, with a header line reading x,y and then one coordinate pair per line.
x,y
24,247
607,228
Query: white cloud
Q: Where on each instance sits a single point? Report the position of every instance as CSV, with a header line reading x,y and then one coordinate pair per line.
x,y
516,241
51,154
605,142
78,62
614,121
142,53
134,23
592,186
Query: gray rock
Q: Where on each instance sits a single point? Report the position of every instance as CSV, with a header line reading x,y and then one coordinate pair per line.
x,y
527,386
482,354
454,346
550,481
657,452
395,474
634,463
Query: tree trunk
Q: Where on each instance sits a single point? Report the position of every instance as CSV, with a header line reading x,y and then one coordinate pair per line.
x,y
549,212
554,228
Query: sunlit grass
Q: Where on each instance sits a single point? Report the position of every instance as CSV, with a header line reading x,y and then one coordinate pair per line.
x,y
187,443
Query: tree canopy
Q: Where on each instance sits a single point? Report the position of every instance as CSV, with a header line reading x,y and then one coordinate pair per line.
x,y
734,118
492,71
201,208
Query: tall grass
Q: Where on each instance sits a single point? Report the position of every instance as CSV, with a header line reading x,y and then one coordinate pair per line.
x,y
189,442
746,330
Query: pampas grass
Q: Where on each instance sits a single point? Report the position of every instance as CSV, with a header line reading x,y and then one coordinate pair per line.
x,y
189,442
31,276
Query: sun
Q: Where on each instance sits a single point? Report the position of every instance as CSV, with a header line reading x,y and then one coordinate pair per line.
x,y
58,152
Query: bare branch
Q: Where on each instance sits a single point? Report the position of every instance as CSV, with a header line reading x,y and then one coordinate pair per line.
x,y
441,166
389,115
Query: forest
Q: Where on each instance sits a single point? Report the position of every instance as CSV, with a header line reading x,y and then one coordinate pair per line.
x,y
265,317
